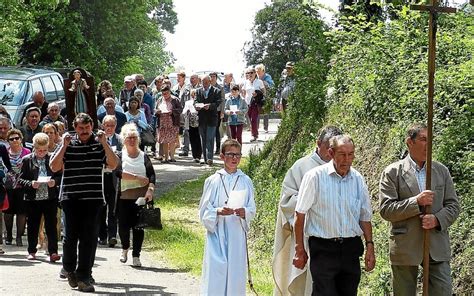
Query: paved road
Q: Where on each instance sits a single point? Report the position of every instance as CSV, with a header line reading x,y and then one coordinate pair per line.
x,y
19,276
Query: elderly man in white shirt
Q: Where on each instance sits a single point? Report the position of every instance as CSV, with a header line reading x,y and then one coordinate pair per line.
x,y
288,279
336,201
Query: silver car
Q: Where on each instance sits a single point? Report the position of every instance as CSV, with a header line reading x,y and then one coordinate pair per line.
x,y
18,84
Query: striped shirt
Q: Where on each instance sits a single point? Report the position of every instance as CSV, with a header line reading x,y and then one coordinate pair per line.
x,y
420,174
83,168
333,205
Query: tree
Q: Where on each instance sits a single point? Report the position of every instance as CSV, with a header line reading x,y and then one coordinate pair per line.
x,y
107,37
283,31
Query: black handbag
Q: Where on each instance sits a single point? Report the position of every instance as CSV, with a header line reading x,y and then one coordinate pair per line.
x,y
147,138
149,217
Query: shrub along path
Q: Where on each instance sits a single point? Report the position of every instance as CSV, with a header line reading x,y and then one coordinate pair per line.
x,y
168,257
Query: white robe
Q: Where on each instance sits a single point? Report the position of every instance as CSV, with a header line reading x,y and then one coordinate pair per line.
x,y
224,269
290,280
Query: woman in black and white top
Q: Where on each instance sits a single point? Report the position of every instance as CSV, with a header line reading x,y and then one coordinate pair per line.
x,y
137,180
41,190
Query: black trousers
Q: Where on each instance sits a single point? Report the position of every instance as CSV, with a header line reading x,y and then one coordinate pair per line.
x,y
195,141
108,219
335,265
218,133
128,218
82,227
35,210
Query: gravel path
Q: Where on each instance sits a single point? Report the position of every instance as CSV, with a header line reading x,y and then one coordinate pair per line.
x,y
19,276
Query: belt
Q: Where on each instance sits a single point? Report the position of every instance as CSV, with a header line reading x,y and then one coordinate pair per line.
x,y
339,240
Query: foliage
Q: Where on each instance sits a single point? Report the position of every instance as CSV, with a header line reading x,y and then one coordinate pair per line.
x,y
283,31
378,80
107,37
376,87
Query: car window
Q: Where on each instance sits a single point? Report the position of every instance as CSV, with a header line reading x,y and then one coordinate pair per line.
x,y
11,91
59,86
35,86
50,90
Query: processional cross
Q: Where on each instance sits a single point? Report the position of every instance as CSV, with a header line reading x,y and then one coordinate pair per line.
x,y
433,10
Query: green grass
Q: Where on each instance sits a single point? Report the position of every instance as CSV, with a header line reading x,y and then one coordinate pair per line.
x,y
181,242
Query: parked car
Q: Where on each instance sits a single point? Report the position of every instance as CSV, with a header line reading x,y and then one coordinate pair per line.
x,y
17,85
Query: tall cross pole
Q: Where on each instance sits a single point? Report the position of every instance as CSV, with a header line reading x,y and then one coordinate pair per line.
x,y
433,10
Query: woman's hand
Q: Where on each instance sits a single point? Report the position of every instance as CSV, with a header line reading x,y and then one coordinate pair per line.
x,y
51,183
35,184
149,195
143,180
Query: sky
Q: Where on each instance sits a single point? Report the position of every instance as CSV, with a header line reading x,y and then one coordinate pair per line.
x,y
210,34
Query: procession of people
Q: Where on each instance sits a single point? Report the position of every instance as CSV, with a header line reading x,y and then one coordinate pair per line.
x,y
81,187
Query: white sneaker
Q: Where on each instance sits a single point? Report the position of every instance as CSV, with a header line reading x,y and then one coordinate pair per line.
x,y
136,262
123,257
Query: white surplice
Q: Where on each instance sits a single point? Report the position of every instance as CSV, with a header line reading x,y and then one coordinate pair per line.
x,y
290,280
224,270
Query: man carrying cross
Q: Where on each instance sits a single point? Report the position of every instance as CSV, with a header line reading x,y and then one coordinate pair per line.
x,y
402,197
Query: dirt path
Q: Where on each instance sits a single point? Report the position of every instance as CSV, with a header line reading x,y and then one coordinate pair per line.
x,y
19,276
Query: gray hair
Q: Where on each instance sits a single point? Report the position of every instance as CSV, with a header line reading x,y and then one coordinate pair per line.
x,y
339,140
414,130
129,129
138,91
327,132
51,105
40,139
109,118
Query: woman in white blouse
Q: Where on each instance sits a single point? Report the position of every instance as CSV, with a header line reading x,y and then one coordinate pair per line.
x,y
137,180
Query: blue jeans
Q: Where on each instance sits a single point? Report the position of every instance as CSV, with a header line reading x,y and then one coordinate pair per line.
x,y
207,133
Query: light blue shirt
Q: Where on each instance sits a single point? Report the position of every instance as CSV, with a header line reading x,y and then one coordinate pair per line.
x,y
333,205
420,173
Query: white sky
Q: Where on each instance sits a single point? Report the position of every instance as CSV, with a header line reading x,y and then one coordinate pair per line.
x,y
210,34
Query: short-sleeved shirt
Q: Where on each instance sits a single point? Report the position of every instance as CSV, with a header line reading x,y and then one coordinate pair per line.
x,y
334,205
83,170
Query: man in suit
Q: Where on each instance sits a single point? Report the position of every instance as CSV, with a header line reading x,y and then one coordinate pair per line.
x,y
207,101
402,198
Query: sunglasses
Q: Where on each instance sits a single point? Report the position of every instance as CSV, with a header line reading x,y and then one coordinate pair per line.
x,y
232,155
250,73
14,139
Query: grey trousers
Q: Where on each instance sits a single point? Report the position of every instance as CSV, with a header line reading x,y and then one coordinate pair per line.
x,y
405,279
186,141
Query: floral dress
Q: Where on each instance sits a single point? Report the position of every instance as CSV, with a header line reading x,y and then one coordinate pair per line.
x,y
167,132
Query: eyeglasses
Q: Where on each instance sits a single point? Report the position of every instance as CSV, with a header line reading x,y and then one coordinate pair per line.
x,y
14,139
232,155
250,73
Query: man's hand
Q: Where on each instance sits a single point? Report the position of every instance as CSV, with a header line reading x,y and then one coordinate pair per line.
x,y
225,211
240,212
300,259
369,257
51,183
102,138
66,138
429,221
425,198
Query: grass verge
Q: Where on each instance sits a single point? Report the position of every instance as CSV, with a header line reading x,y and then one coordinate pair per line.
x,y
181,242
